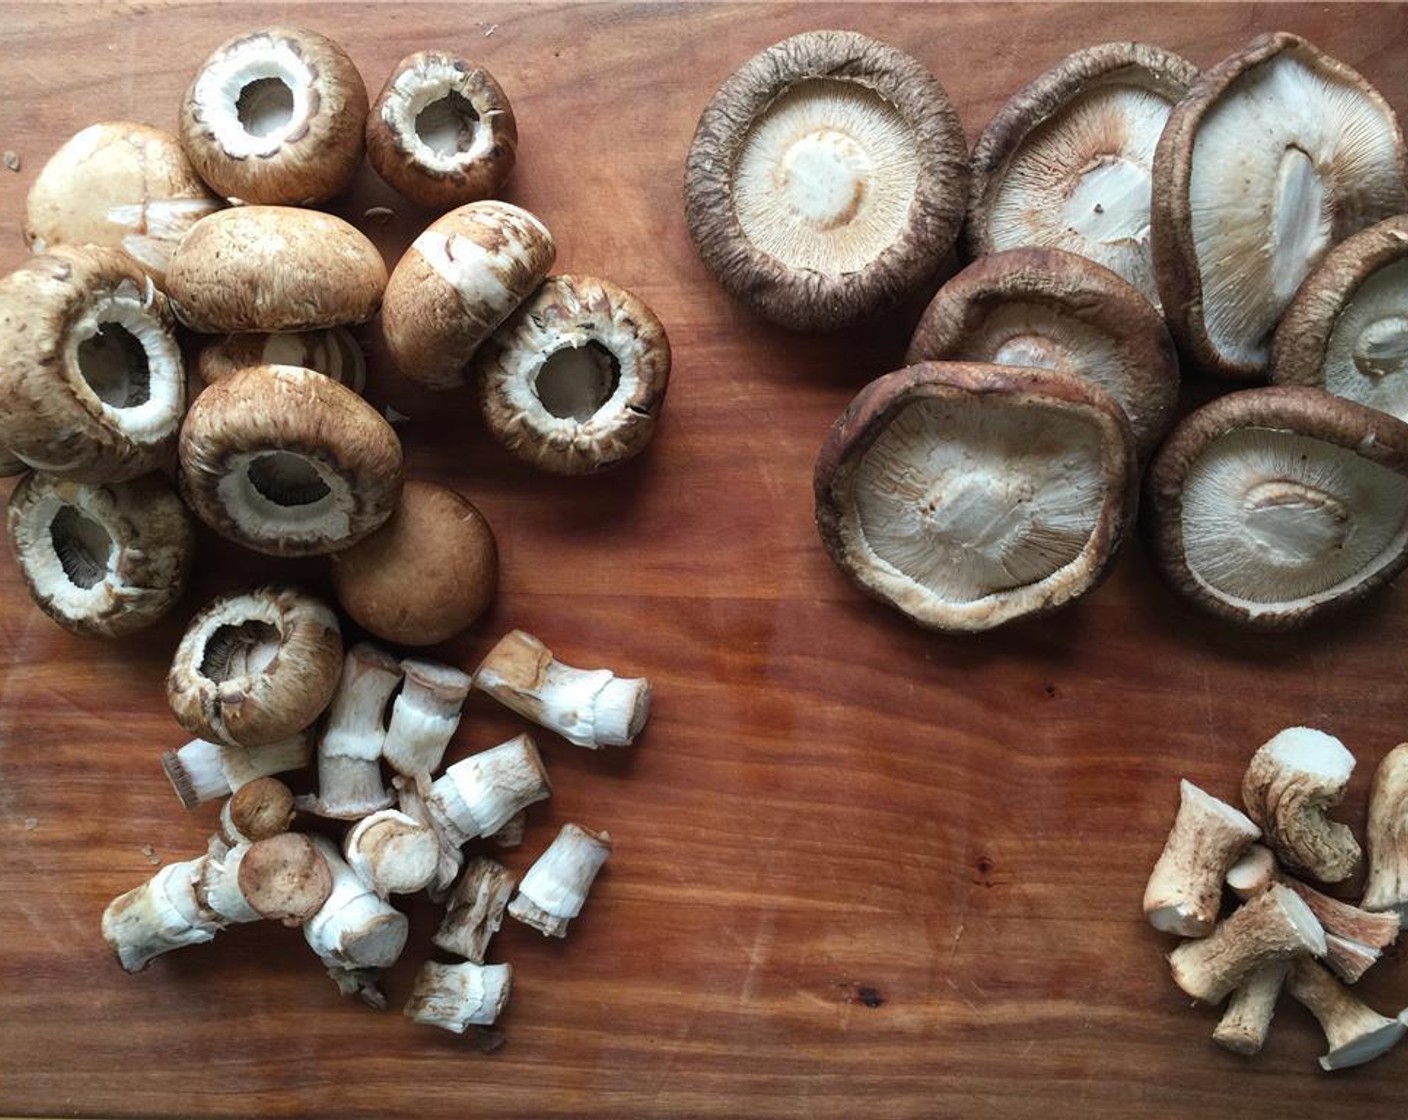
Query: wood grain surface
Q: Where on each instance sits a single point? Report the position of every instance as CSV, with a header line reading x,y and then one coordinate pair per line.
x,y
860,869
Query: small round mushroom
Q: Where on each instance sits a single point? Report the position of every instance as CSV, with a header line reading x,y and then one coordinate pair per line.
x,y
442,131
90,372
1276,154
276,116
1270,507
426,574
1346,330
101,560
1066,163
122,185
333,352
573,382
457,282
288,462
1049,309
968,495
826,180
255,667
274,268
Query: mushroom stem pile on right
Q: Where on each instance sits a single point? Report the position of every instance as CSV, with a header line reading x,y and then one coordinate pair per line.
x,y
1119,204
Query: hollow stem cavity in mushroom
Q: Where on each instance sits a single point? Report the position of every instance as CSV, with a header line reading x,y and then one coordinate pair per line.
x,y
555,888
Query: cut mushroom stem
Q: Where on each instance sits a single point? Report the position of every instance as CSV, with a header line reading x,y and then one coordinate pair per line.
x,y
424,716
1386,887
285,878
410,798
354,929
203,771
160,915
1290,782
1185,889
1254,872
475,910
589,707
1273,926
455,996
1355,1032
478,794
349,769
256,811
360,983
555,888
1354,938
1244,1025
392,852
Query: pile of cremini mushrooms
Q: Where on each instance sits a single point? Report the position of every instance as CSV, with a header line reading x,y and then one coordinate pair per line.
x,y
1283,933
138,235
1254,214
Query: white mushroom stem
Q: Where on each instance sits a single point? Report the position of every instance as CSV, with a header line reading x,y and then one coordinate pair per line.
x,y
203,771
588,707
160,915
1244,1025
411,799
555,888
285,878
1185,888
392,852
349,753
1273,926
1355,1032
360,983
454,996
478,794
256,811
355,928
475,911
511,834
1290,782
1386,886
424,716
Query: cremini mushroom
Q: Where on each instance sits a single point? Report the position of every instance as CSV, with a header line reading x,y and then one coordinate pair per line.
x,y
442,131
1354,1032
455,996
1050,309
826,180
1277,153
90,371
288,462
101,560
350,784
1066,163
1386,836
122,185
475,909
1270,507
554,890
203,771
574,380
332,352
425,575
255,667
276,116
967,495
274,268
457,282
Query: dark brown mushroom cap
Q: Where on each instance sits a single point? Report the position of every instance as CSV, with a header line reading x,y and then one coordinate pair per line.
x,y
442,131
574,381
274,268
1269,507
255,667
1049,309
1346,331
105,560
1066,163
307,107
90,371
288,462
968,495
1273,186
334,353
889,88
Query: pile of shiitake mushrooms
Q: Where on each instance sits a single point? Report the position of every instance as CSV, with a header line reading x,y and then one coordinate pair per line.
x,y
1120,203
138,235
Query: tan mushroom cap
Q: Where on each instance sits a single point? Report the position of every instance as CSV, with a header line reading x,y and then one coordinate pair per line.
x,y
121,185
288,462
574,381
101,560
426,574
90,372
1066,163
255,667
1269,507
1048,309
1277,153
442,131
826,180
968,495
333,352
275,116
274,268
1346,330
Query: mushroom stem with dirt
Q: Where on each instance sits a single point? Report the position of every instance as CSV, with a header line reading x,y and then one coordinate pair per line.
x,y
392,852
1184,891
350,784
474,910
203,771
1247,1018
554,890
424,717
1386,836
456,996
159,915
1355,1032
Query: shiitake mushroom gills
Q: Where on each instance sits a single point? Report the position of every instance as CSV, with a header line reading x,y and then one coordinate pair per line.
x,y
826,180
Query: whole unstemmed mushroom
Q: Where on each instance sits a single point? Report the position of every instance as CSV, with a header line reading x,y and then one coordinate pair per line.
x,y
1386,835
555,888
1356,1033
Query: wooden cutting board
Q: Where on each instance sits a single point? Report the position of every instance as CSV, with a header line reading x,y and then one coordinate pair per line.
x,y
860,869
